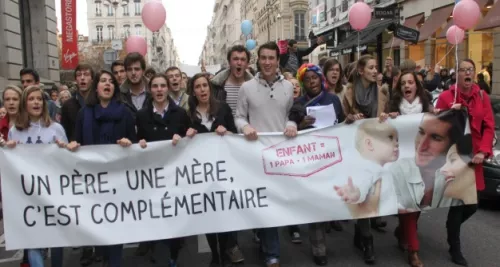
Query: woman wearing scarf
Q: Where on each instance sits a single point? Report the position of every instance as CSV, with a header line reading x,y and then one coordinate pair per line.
x,y
363,99
408,97
482,126
209,115
161,119
33,125
312,80
105,120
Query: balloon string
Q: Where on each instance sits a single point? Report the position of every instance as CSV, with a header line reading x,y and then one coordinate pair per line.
x,y
358,45
392,43
451,49
456,68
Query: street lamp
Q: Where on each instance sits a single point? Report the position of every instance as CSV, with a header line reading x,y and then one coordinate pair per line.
x,y
280,23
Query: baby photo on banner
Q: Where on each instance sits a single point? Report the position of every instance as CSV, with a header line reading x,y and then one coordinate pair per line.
x,y
210,184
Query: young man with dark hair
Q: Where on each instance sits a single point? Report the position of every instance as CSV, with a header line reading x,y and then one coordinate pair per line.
x,y
134,91
226,84
30,77
292,60
118,70
264,105
150,72
69,110
175,90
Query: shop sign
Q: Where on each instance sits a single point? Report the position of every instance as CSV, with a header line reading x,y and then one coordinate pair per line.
x,y
361,48
334,54
385,13
346,51
407,34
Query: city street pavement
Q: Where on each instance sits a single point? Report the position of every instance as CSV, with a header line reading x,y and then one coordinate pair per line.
x,y
481,243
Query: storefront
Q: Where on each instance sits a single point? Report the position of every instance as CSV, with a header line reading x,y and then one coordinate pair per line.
x,y
370,40
483,41
392,47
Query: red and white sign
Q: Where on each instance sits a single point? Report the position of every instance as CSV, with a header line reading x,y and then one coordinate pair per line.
x,y
69,35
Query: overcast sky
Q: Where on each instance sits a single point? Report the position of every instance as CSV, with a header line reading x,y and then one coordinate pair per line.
x,y
188,20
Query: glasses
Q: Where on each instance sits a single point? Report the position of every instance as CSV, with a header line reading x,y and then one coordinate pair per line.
x,y
470,70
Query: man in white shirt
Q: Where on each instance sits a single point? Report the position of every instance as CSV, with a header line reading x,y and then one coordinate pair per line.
x,y
264,104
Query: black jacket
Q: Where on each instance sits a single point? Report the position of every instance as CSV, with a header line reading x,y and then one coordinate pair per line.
x,y
152,127
126,97
224,117
300,54
69,113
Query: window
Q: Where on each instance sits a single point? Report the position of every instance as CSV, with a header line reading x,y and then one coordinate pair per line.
x,y
300,26
137,6
125,10
110,11
138,29
126,30
99,33
98,11
111,32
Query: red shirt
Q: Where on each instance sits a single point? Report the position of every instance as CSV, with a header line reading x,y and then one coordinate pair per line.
x,y
482,123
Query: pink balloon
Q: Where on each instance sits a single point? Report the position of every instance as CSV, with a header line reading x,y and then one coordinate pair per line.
x,y
466,14
137,44
455,35
154,15
360,15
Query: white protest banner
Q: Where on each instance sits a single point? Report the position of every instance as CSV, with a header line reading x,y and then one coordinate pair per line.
x,y
56,198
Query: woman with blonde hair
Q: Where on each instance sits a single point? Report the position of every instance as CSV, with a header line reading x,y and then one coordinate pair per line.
x,y
11,98
363,99
33,125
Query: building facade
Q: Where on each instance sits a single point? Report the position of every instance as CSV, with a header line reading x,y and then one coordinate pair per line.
x,y
223,32
272,20
29,39
431,18
107,22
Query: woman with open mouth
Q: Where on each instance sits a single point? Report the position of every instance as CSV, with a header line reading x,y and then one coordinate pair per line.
x,y
333,74
33,125
104,120
161,119
316,94
408,97
466,94
11,98
211,116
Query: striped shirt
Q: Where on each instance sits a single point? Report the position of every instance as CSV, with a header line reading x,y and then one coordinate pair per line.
x,y
232,96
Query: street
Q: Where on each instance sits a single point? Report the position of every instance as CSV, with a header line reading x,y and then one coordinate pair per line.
x,y
480,237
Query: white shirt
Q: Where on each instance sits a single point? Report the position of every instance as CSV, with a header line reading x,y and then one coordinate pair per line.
x,y
365,179
410,187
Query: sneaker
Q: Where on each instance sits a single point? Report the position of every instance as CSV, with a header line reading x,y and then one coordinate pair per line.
x,y
296,238
273,263
235,254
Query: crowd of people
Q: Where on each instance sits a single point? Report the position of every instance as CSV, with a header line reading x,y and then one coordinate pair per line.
x,y
131,104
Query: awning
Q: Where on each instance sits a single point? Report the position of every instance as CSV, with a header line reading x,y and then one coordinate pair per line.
x,y
491,20
437,18
366,36
481,3
410,22
375,28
